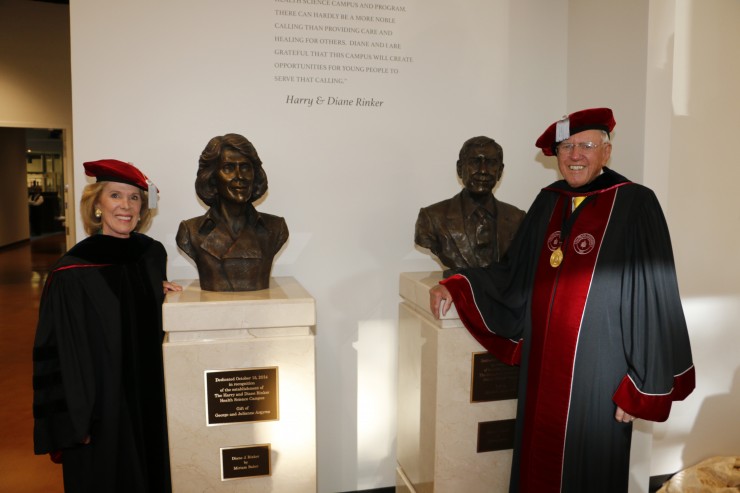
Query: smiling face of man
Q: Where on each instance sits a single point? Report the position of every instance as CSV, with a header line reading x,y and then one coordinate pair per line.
x,y
582,156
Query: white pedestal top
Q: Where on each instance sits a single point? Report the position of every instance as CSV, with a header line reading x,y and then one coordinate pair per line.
x,y
284,304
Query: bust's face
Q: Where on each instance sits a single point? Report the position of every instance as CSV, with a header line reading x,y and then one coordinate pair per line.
x,y
480,168
235,177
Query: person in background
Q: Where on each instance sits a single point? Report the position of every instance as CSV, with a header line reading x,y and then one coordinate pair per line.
x,y
99,404
587,302
35,201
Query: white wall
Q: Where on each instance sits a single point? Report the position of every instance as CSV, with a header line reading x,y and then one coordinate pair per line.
x,y
153,81
35,92
691,156
606,67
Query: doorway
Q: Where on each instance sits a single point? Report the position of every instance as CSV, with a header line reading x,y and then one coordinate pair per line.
x,y
45,181
34,190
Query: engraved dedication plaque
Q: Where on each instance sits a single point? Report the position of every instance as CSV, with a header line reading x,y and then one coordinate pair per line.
x,y
237,396
496,435
492,380
245,462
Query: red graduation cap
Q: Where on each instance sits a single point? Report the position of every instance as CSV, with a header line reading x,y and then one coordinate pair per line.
x,y
118,171
590,119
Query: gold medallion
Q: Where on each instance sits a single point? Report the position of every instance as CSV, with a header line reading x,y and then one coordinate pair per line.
x,y
556,258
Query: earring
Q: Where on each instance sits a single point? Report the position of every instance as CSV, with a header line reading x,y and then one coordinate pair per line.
x,y
98,213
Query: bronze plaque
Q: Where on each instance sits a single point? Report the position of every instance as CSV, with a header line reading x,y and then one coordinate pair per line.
x,y
236,396
496,435
245,462
492,380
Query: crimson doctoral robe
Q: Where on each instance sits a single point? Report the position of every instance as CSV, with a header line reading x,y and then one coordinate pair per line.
x,y
603,328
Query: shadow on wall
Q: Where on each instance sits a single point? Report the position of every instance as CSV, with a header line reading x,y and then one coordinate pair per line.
x,y
719,408
704,425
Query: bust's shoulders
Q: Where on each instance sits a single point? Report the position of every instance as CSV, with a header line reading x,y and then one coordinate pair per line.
x,y
507,209
194,221
271,218
443,205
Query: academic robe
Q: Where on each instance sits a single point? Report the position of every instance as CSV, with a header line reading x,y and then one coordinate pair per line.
x,y
603,328
98,369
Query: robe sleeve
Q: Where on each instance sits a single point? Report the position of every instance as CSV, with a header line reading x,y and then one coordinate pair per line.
x,y
64,389
654,332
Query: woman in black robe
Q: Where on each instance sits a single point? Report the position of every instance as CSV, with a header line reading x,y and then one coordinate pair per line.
x,y
99,405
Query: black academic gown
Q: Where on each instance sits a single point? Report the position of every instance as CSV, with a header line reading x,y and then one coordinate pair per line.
x,y
98,366
603,328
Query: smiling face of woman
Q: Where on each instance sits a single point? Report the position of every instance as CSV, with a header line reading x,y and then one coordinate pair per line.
x,y
235,177
120,204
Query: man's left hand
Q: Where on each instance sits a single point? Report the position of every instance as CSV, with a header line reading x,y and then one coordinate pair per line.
x,y
622,416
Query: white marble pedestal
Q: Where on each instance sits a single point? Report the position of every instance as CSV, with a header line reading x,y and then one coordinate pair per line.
x,y
252,332
437,422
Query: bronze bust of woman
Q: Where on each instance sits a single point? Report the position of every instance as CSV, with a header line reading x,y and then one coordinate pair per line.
x,y
233,245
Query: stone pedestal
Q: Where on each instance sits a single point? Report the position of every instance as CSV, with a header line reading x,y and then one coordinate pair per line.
x,y
439,427
241,389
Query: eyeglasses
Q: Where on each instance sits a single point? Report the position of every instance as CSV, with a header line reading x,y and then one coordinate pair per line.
x,y
567,147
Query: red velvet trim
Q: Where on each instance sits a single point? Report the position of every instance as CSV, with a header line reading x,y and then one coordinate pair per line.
x,y
684,384
67,267
507,351
558,300
78,266
653,407
56,457
581,194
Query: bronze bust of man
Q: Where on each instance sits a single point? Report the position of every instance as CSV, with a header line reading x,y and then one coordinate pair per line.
x,y
232,244
473,228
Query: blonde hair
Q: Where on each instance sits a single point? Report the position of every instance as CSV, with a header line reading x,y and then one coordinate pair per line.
x,y
91,196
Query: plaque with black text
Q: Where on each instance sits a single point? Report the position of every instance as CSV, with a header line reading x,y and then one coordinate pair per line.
x,y
492,380
243,395
496,435
245,462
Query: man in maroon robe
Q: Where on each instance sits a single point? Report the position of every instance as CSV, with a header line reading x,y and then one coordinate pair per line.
x,y
587,302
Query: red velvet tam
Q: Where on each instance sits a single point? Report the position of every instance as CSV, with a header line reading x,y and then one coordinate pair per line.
x,y
590,119
118,171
